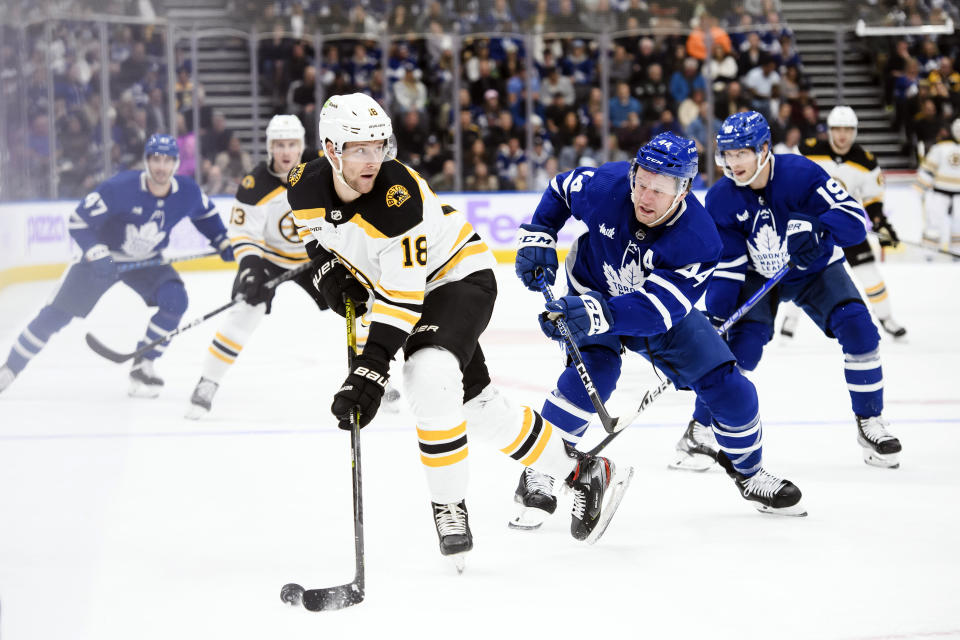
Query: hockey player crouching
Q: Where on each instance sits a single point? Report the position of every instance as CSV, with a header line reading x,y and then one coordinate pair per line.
x,y
633,279
425,279
266,244
127,218
771,209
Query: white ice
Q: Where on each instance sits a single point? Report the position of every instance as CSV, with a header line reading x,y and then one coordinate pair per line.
x,y
119,519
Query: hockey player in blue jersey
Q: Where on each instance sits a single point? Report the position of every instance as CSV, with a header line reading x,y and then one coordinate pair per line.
x,y
127,218
770,209
633,279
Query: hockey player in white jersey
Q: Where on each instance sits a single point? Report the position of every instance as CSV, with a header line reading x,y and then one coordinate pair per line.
x,y
266,244
857,170
939,177
425,279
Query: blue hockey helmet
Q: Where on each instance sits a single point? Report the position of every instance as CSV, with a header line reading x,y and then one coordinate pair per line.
x,y
743,130
669,154
162,144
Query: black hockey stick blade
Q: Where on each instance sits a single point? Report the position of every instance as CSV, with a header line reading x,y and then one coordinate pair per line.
x,y
105,351
333,598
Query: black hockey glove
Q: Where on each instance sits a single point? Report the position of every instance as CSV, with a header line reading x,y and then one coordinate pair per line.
x,y
333,281
885,233
250,281
362,389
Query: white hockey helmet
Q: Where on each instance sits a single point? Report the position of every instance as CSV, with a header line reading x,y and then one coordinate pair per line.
x,y
284,127
955,129
842,116
355,117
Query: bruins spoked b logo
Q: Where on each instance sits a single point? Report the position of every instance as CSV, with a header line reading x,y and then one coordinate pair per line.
x,y
294,176
397,195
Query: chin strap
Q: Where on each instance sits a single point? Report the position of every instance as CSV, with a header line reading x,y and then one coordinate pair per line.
x,y
760,165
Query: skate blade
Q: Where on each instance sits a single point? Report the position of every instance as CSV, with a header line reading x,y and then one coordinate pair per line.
x,y
691,462
528,519
618,487
195,412
459,561
880,460
140,390
797,510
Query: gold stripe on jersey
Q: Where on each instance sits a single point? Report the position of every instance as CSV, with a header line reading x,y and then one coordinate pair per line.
x,y
310,214
273,194
418,180
443,447
406,320
867,203
470,249
368,228
402,295
820,158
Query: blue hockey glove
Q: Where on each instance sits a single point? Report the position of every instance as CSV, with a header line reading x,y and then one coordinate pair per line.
x,y
585,315
536,247
222,244
362,389
803,240
101,262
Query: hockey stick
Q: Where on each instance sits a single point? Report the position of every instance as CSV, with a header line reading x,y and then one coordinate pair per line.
x,y
160,260
922,245
610,424
352,593
653,394
94,343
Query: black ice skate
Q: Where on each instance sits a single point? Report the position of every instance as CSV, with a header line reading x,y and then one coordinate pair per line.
x,y
890,326
880,447
697,449
534,496
453,530
144,382
767,492
6,377
597,492
202,398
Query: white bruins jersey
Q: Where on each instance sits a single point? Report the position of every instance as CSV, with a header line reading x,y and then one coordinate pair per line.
x,y
399,240
261,223
857,170
940,169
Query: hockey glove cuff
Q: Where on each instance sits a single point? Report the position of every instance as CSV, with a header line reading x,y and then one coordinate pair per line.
x,y
250,281
363,389
101,262
224,247
586,315
536,247
803,240
333,281
885,232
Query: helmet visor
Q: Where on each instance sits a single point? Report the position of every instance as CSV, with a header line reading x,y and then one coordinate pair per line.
x,y
372,151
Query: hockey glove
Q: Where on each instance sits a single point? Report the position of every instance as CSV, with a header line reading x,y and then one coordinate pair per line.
x,y
101,262
250,281
803,240
885,233
363,389
536,247
333,281
222,244
585,315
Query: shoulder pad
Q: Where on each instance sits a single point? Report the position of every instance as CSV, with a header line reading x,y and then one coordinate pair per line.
x,y
257,184
863,157
395,205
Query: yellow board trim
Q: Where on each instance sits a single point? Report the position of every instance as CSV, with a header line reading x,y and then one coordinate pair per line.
x,y
446,434
445,461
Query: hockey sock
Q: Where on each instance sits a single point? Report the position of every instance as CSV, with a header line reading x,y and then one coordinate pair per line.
x,y
858,336
171,302
701,412
869,276
32,339
732,400
743,444
227,343
160,324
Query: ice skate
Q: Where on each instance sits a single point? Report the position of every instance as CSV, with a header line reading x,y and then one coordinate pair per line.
x,y
144,382
202,399
391,399
453,531
697,448
890,326
6,377
788,328
767,492
535,500
597,492
880,447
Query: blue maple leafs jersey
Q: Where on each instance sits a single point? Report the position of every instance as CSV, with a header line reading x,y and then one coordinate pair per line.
x,y
650,277
134,224
753,224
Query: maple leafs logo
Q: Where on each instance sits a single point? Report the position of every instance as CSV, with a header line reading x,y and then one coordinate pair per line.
x,y
629,277
767,252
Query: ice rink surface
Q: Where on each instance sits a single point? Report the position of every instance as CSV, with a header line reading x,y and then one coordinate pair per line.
x,y
120,519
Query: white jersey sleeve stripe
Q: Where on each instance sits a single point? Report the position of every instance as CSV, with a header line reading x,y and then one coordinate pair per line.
x,y
672,288
667,322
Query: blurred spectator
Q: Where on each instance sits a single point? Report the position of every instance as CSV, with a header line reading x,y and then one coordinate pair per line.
x,y
684,82
411,132
780,122
434,157
302,95
703,128
696,41
502,131
721,68
809,124
481,180
542,175
556,84
187,142
928,126
945,87
895,67
234,163
132,69
622,104
217,139
621,65
666,123
631,134
410,93
509,157
730,100
577,154
761,82
652,92
790,142
213,183
446,180
751,54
